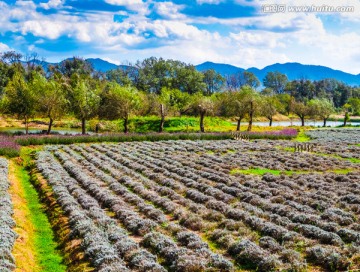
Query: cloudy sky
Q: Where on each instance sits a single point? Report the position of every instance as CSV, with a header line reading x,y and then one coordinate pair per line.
x,y
236,32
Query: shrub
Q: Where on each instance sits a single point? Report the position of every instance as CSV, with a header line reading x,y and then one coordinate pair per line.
x,y
328,258
8,147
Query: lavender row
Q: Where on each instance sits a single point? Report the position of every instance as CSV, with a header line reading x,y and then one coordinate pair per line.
x,y
7,235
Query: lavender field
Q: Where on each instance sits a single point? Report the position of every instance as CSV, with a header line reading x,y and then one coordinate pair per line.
x,y
209,205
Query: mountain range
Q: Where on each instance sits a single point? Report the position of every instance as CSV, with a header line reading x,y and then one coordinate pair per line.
x,y
292,70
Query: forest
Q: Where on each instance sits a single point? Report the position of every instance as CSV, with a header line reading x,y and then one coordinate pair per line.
x,y
163,88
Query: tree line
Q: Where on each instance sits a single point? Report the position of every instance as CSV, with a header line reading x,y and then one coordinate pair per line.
x,y
155,86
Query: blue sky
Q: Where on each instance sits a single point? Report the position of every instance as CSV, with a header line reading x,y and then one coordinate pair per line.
x,y
235,32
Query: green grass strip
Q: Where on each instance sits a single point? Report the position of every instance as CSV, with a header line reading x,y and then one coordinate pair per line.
x,y
302,137
259,171
353,160
48,258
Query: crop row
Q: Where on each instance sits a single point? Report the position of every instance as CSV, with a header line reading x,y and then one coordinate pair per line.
x,y
345,136
7,235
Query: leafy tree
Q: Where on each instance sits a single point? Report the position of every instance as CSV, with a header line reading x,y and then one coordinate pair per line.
x,y
84,97
241,103
267,92
286,101
322,108
354,105
275,81
51,100
301,110
244,78
234,104
120,76
346,108
356,92
326,88
153,74
119,102
4,76
301,90
253,100
342,95
188,79
19,99
75,65
270,106
11,57
171,101
213,81
202,106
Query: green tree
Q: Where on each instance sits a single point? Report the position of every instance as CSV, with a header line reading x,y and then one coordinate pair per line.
x,y
171,100
346,108
301,110
20,99
51,99
84,98
354,105
202,106
213,81
270,105
119,102
322,108
153,74
253,100
240,79
188,79
4,76
302,90
275,81
120,76
286,101
234,104
75,65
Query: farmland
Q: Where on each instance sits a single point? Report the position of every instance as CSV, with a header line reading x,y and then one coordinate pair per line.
x,y
184,205
209,205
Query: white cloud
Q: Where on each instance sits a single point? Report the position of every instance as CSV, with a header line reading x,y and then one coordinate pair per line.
x,y
258,39
4,47
52,4
135,5
170,10
123,2
212,2
25,4
46,28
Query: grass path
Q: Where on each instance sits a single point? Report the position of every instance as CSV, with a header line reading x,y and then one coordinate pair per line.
x,y
24,248
35,249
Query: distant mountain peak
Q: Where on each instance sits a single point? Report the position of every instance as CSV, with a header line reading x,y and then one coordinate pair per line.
x,y
293,70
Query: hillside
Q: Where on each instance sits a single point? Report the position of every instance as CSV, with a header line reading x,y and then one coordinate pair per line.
x,y
292,70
